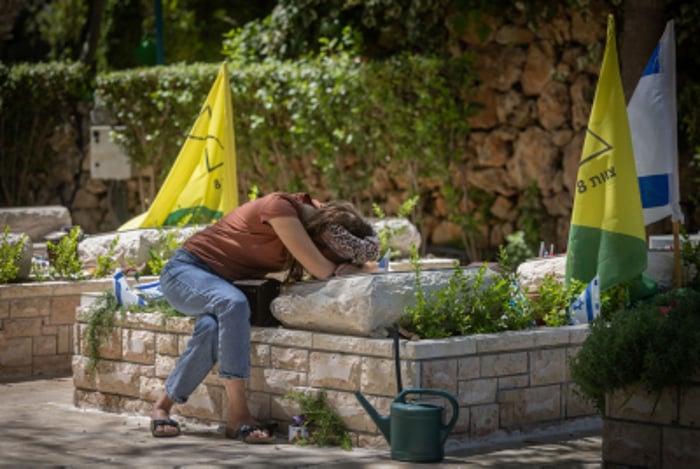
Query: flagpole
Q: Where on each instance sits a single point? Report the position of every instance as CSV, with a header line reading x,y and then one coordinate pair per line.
x,y
676,254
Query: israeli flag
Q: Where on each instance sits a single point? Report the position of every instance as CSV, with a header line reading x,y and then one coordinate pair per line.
x,y
586,307
653,125
123,292
149,291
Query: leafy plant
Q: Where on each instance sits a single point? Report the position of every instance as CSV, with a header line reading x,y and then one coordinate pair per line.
x,y
531,214
106,263
387,232
517,251
63,256
99,325
162,251
101,320
10,256
690,257
326,428
474,304
553,299
651,346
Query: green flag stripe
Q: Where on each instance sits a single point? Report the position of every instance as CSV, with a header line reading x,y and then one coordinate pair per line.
x,y
198,215
620,257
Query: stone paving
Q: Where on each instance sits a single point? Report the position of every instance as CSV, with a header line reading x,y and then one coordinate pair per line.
x,y
39,426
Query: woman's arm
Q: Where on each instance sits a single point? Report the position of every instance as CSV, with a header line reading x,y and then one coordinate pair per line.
x,y
295,238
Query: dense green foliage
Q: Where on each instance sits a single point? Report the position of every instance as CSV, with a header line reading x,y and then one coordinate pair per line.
x,y
471,303
38,102
40,30
158,106
327,117
382,28
553,298
651,346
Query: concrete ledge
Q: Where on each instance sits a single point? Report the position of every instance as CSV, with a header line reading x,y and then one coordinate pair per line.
x,y
36,222
360,305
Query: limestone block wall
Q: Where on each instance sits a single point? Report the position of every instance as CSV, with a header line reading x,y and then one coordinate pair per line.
x,y
36,326
513,381
655,432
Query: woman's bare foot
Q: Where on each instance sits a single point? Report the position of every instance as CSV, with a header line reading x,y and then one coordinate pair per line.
x,y
240,422
161,423
252,433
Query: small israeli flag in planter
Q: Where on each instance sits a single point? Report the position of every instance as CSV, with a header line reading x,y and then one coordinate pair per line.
x,y
586,307
123,292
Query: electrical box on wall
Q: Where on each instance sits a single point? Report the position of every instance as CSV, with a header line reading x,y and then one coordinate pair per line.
x,y
108,160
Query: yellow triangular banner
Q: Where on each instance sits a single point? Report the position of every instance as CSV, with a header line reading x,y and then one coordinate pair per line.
x,y
606,237
202,184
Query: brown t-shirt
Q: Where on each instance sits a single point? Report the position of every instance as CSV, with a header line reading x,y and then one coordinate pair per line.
x,y
242,244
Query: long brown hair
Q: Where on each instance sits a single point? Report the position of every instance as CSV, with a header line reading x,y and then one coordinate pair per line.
x,y
337,212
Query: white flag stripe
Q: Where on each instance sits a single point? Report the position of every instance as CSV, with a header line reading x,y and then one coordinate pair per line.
x,y
653,124
586,307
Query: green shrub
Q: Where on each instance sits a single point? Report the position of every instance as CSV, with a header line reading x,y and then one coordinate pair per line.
x,y
106,263
162,251
553,299
651,346
327,117
481,303
63,256
10,256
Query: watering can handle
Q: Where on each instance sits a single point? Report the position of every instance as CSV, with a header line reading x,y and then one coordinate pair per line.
x,y
436,392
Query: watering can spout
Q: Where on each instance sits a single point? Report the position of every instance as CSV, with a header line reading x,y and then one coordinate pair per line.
x,y
383,423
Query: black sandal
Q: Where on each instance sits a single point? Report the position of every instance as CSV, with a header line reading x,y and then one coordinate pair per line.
x,y
244,434
164,423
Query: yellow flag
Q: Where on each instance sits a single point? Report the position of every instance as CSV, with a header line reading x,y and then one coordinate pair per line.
x,y
607,236
201,185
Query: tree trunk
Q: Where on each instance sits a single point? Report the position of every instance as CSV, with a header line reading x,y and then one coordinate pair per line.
x,y
644,23
87,55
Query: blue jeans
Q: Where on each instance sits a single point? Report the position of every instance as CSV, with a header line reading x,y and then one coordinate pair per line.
x,y
222,328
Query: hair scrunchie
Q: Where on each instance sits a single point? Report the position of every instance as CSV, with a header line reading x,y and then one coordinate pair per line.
x,y
348,246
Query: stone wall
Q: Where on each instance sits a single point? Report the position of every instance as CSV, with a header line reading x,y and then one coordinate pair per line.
x,y
36,327
536,88
507,382
653,431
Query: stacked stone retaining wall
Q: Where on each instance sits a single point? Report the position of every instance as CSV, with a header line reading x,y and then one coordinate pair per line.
x,y
507,382
653,431
36,327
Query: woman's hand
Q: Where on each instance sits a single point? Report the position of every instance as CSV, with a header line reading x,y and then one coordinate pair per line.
x,y
350,269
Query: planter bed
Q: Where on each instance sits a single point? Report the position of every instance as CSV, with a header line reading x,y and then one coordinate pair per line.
x,y
650,431
506,382
36,326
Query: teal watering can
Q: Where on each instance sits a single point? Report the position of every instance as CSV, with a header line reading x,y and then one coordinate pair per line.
x,y
414,430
